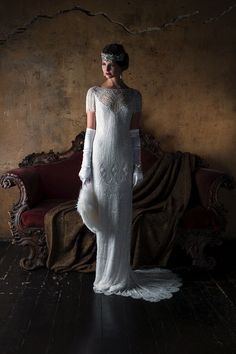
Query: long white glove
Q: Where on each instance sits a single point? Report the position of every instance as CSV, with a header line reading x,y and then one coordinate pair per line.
x,y
85,172
136,146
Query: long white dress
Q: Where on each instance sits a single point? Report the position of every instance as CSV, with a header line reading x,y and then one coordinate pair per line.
x,y
112,184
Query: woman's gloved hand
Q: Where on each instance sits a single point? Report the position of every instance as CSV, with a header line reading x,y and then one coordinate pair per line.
x,y
137,175
136,147
85,173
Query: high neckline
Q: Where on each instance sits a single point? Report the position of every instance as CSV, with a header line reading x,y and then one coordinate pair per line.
x,y
115,88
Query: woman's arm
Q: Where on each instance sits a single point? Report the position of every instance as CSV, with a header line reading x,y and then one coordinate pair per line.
x,y
136,146
91,120
85,172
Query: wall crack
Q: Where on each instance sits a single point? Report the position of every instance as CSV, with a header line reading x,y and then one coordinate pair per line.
x,y
223,13
164,26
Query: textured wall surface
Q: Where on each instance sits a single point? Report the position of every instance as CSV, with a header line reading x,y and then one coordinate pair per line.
x,y
182,59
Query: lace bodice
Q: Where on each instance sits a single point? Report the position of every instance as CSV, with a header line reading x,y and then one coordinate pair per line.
x,y
114,99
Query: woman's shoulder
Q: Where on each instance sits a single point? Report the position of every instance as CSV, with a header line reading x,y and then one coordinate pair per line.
x,y
137,93
91,89
134,90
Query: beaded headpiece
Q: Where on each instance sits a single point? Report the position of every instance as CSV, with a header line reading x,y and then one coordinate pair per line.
x,y
113,57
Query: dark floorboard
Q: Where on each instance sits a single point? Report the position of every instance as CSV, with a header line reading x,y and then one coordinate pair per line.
x,y
46,313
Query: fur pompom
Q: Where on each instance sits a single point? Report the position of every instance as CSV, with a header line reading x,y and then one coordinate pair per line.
x,y
87,207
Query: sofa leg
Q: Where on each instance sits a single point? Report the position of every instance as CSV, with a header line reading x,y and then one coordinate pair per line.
x,y
35,241
194,243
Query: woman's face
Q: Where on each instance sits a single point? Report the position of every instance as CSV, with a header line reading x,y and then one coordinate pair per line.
x,y
111,69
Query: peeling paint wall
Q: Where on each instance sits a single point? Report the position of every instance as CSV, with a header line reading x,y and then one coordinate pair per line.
x,y
182,59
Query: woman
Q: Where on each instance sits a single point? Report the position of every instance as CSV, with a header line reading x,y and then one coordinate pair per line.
x,y
111,167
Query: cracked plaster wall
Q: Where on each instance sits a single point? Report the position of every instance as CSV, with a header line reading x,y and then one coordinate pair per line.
x,y
182,59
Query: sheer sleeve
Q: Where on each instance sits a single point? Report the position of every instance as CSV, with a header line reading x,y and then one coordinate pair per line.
x,y
137,101
90,100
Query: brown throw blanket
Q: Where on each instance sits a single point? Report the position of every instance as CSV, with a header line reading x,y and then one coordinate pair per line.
x,y
159,202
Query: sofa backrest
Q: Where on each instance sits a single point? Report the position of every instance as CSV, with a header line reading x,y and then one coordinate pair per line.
x,y
59,179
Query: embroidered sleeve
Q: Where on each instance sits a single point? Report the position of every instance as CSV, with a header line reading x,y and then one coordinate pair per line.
x,y
90,100
137,101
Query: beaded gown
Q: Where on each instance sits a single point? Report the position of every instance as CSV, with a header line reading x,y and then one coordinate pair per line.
x,y
112,183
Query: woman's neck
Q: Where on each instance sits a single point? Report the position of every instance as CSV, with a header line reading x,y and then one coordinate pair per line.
x,y
114,83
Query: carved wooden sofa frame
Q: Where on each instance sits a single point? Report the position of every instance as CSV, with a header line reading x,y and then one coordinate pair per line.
x,y
193,241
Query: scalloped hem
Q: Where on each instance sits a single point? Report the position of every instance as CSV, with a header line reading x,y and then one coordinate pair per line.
x,y
152,285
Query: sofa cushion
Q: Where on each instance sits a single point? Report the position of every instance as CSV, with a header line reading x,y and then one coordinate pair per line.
x,y
35,217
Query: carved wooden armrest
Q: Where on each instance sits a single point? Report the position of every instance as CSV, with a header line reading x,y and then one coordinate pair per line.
x,y
208,182
206,185
28,182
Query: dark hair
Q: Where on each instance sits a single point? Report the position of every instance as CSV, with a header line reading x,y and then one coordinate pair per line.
x,y
117,49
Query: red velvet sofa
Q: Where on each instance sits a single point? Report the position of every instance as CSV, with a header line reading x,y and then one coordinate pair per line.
x,y
46,179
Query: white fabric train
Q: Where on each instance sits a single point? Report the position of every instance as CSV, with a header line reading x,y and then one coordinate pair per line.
x,y
105,205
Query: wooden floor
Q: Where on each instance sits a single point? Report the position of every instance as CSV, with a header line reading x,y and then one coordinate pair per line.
x,y
41,312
